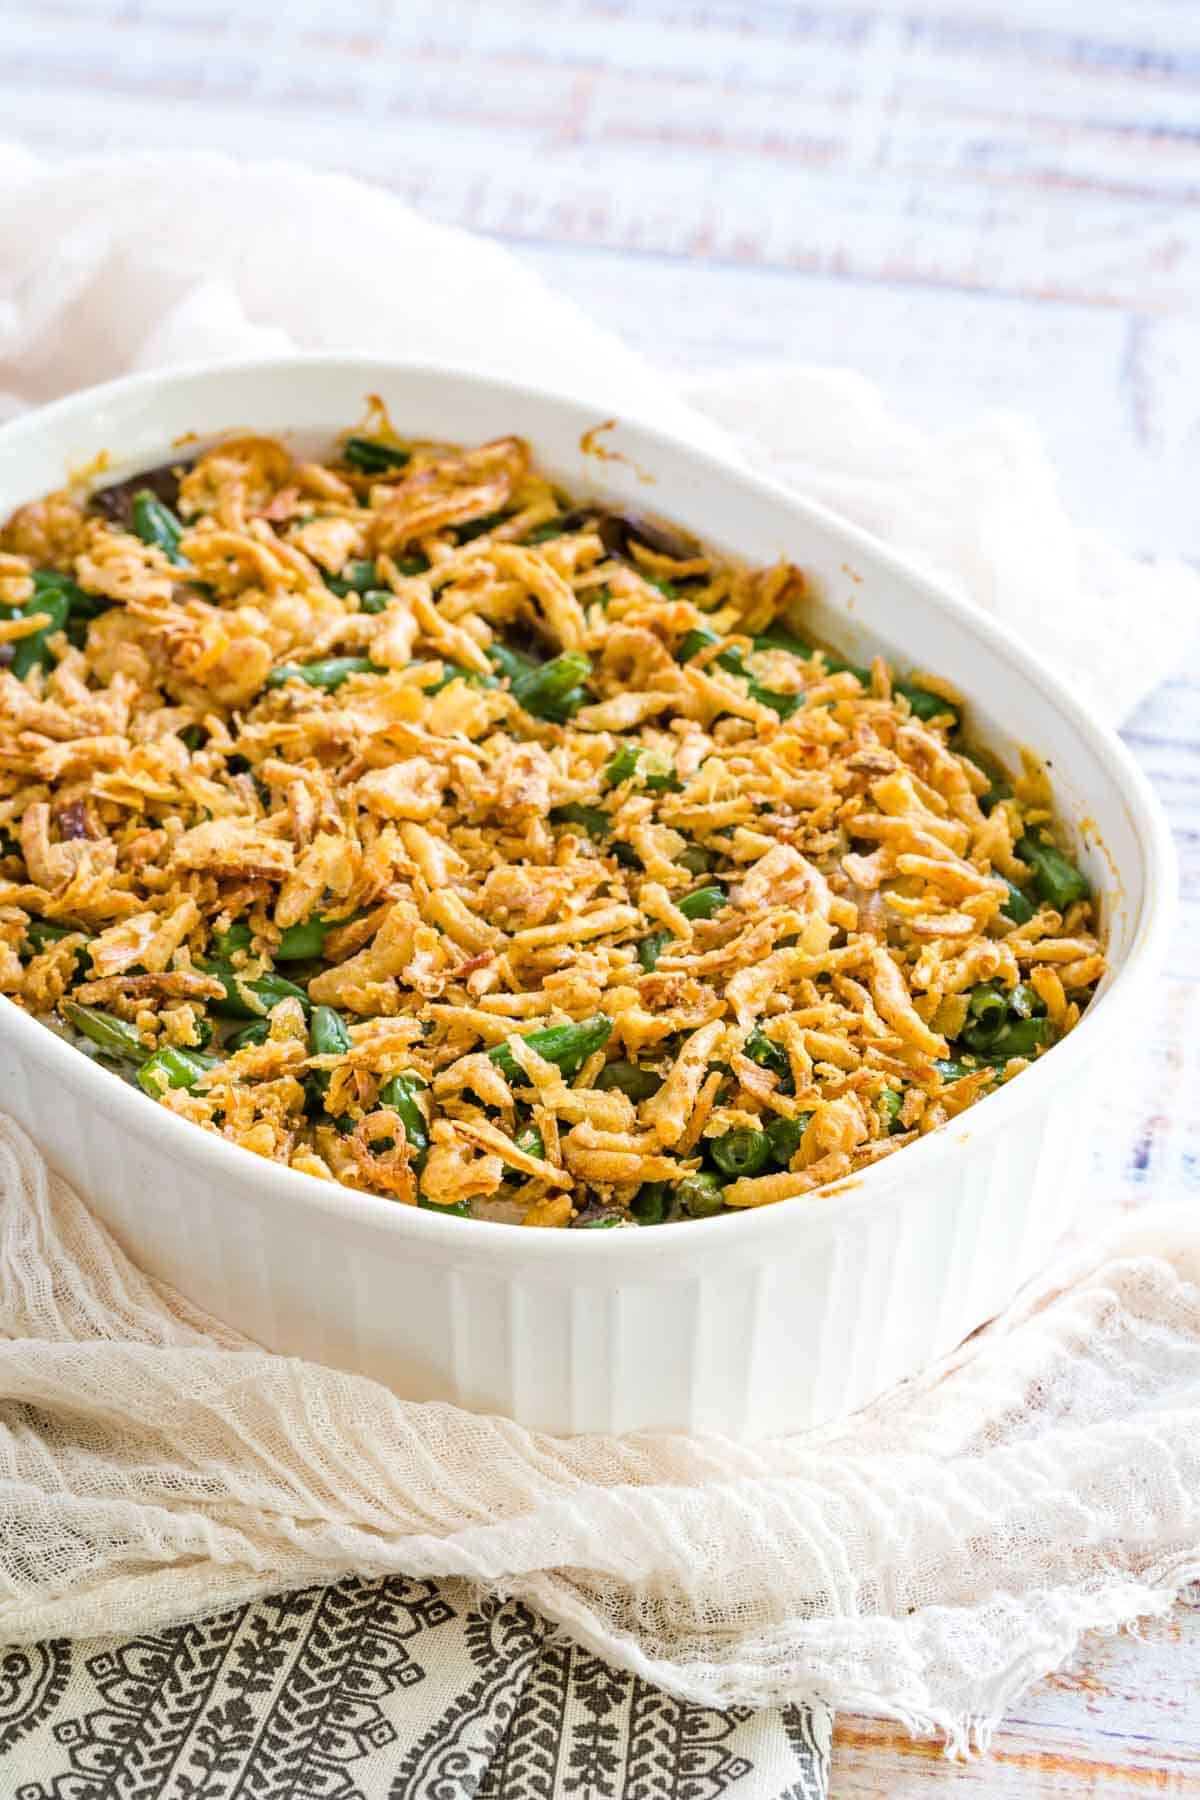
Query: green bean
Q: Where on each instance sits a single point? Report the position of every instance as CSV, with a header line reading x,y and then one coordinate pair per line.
x,y
399,1093
475,528
302,942
784,704
667,589
777,638
767,1053
412,565
700,1194
41,933
624,765
257,1032
202,1026
377,600
328,1034
33,651
268,989
653,1203
742,1152
592,819
542,534
651,947
628,1078
194,737
924,703
328,673
1055,876
568,1046
173,1067
1018,907
530,1140
987,1005
453,1209
700,638
510,662
1020,1037
547,691
599,1224
955,1068
1024,1002
104,1029
999,788
695,859
703,902
238,937
372,457
785,1136
889,1103
358,576
157,525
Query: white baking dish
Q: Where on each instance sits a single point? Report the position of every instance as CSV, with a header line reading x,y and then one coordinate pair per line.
x,y
745,1325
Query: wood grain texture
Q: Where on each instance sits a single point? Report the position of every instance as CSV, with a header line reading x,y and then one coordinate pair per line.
x,y
976,204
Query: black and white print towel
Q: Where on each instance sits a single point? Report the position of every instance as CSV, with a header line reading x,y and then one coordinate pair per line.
x,y
380,1690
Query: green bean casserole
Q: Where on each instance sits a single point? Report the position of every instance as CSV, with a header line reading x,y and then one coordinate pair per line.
x,y
417,826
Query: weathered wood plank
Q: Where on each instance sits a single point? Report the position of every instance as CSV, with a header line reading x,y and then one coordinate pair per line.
x,y
973,204
1123,1722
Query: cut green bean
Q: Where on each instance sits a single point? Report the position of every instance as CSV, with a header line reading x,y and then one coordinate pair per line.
x,y
238,937
1055,877
530,1140
987,1005
700,1194
328,1033
741,1153
33,650
257,1032
889,1103
767,1053
592,819
328,673
1018,907
475,528
599,1224
40,934
370,456
542,534
268,990
157,525
1020,1037
358,576
300,943
568,1046
399,1093
553,690
453,1209
695,859
105,1030
703,902
651,947
653,1203
628,1078
510,662
175,1068
785,1135
925,704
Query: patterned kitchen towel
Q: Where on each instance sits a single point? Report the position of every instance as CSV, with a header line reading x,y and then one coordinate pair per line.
x,y
378,1690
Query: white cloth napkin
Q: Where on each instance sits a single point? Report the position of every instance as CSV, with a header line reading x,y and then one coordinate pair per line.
x,y
926,1559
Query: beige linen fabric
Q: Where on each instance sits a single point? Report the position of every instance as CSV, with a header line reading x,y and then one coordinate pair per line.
x,y
927,1558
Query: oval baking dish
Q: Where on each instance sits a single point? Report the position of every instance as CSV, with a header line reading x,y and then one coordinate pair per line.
x,y
741,1324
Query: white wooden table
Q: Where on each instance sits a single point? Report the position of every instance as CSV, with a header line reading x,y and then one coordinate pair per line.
x,y
973,203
